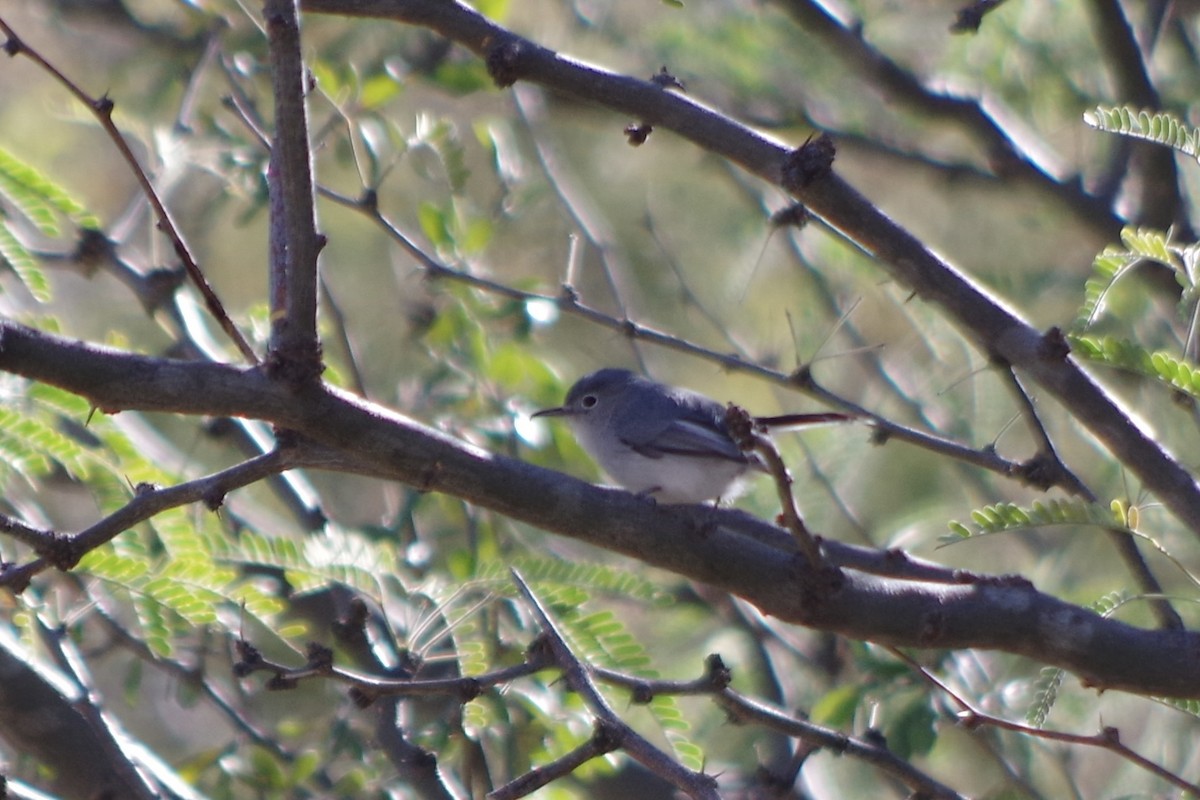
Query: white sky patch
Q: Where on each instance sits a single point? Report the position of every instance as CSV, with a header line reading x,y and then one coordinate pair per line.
x,y
542,312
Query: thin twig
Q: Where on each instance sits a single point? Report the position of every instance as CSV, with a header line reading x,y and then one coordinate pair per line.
x,y
102,109
1107,739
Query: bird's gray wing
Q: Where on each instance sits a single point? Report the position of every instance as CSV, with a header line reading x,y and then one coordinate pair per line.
x,y
687,438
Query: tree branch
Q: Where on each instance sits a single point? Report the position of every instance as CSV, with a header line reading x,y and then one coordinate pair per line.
x,y
727,549
294,239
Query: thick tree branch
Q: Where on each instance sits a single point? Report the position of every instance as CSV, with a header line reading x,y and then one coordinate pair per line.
x,y
726,549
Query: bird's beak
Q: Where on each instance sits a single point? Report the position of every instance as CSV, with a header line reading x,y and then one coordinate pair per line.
x,y
560,411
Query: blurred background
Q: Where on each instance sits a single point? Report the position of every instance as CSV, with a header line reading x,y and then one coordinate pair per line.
x,y
973,141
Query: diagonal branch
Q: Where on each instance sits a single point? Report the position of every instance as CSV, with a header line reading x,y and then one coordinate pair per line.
x,y
612,731
102,109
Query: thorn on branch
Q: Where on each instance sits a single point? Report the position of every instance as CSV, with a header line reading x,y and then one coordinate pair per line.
x,y
503,62
666,80
809,162
214,499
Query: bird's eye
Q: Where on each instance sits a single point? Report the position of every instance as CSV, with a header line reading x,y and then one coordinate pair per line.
x,y
588,401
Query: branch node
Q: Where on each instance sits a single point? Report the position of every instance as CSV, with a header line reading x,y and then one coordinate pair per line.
x,y
606,736
296,366
809,162
214,499
249,658
320,658
642,694
794,216
638,132
503,62
568,296
1042,471
1054,345
60,552
718,675
351,628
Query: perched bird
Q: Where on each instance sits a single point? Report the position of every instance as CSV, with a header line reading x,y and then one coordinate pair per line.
x,y
668,443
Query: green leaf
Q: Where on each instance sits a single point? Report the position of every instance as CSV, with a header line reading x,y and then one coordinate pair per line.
x,y
40,200
1009,517
1130,356
837,708
1155,126
912,732
495,10
1114,263
378,90
23,264
434,224
462,77
1045,694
